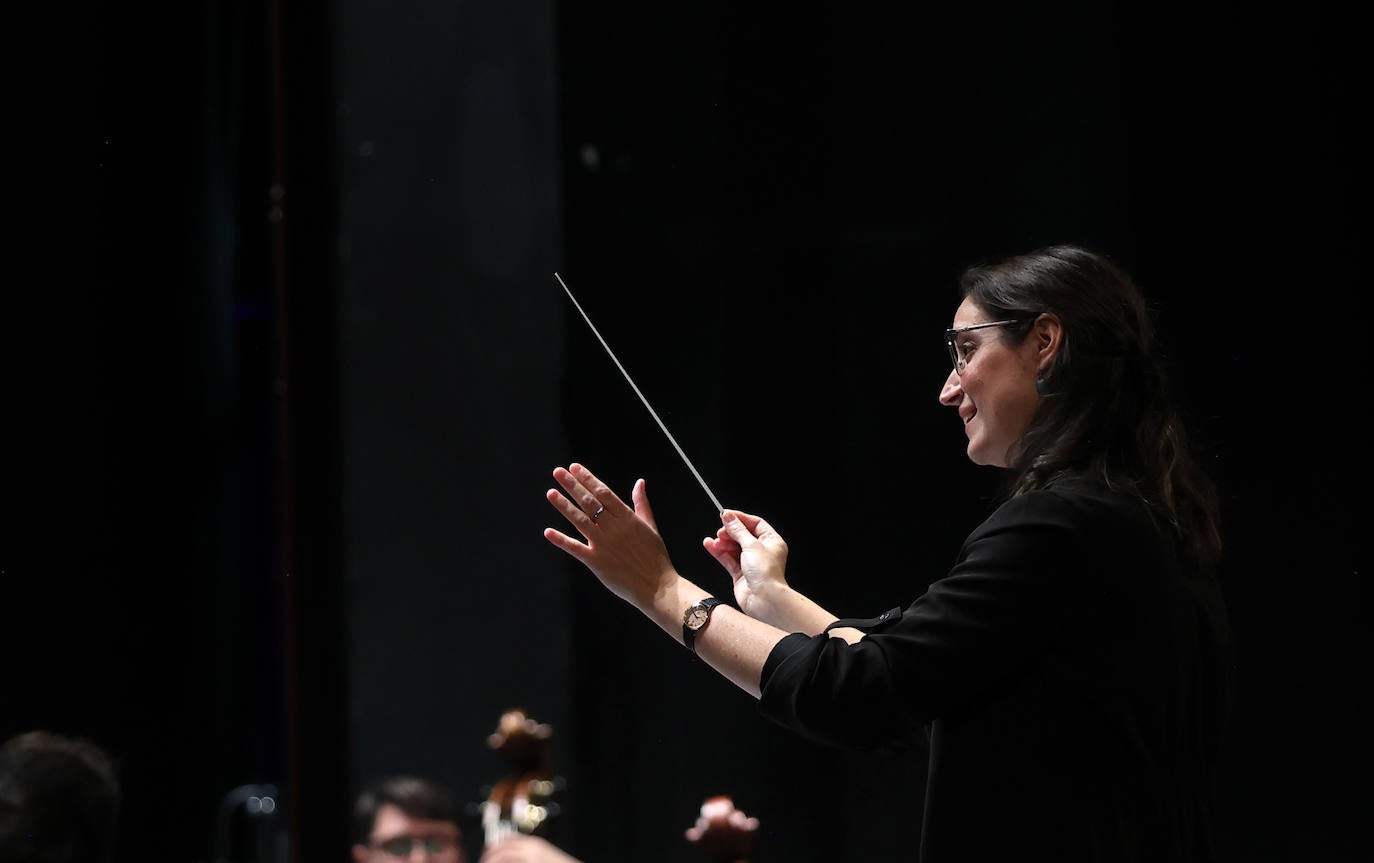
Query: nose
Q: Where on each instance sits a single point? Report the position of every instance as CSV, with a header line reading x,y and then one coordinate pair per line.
x,y
953,391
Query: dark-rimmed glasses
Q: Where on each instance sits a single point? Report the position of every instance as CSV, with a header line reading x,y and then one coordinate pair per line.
x,y
401,847
956,348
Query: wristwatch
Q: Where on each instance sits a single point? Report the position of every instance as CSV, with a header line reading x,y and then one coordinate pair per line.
x,y
695,618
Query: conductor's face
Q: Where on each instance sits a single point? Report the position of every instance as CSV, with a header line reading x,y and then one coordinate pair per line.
x,y
398,837
992,385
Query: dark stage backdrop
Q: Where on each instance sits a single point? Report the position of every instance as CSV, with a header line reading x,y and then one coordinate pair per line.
x,y
283,401
449,364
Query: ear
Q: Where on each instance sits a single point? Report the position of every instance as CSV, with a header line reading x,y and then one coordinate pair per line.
x,y
1048,336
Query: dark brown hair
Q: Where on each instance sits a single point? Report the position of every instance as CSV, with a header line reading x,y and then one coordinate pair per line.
x,y
413,795
1107,409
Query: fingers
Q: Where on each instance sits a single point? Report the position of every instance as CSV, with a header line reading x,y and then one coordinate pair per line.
x,y
756,525
737,528
587,502
721,542
579,517
745,528
568,544
599,490
726,552
592,504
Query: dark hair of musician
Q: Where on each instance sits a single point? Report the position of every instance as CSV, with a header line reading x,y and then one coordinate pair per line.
x,y
59,799
415,796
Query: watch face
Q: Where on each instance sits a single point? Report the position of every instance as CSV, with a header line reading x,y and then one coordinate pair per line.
x,y
696,617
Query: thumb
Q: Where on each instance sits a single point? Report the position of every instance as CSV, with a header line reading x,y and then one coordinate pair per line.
x,y
640,495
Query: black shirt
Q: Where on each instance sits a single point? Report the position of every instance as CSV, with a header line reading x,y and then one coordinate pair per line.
x,y
1069,674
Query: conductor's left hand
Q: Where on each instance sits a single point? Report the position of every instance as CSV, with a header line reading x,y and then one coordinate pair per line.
x,y
623,547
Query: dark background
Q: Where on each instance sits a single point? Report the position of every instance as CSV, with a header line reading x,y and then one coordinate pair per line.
x,y
286,372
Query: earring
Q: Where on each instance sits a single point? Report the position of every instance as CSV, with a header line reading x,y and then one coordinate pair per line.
x,y
1040,387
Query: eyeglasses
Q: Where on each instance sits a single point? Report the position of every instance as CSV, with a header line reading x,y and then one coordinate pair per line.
x,y
401,847
959,349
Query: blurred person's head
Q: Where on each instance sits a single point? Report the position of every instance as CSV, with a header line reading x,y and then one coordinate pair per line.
x,y
59,800
406,818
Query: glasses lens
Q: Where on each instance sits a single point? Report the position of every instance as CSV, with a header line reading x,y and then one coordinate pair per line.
x,y
961,343
398,847
402,847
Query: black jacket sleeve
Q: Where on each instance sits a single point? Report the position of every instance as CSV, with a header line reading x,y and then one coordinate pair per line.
x,y
1015,587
